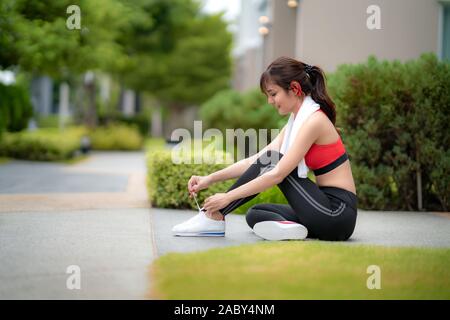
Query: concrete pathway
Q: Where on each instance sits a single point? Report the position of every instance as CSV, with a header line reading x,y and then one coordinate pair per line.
x,y
418,229
93,215
111,247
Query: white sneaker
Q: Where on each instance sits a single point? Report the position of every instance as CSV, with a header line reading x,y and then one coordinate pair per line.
x,y
200,226
280,230
180,226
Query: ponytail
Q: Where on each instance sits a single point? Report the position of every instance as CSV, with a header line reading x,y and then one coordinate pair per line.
x,y
319,92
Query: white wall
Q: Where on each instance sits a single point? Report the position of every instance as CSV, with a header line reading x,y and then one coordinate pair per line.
x,y
332,32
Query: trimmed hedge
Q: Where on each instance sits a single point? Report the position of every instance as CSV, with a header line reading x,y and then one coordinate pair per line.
x,y
395,126
116,137
141,121
50,144
167,181
42,145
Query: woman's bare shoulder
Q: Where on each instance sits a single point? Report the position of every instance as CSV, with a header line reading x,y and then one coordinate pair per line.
x,y
320,123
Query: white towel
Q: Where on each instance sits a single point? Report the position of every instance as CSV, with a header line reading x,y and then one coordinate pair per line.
x,y
308,107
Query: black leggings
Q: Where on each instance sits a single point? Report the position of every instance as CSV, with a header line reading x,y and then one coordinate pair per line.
x,y
329,213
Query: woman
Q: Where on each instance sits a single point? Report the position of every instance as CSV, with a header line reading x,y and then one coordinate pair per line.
x,y
326,210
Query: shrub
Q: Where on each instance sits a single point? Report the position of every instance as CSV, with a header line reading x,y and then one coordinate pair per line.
x,y
229,109
167,181
15,108
52,121
116,137
42,145
141,121
394,118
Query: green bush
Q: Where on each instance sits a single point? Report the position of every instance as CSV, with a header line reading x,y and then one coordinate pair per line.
x,y
116,137
230,109
141,121
42,144
52,121
167,181
15,108
394,118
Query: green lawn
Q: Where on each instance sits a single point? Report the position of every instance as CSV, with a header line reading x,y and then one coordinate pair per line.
x,y
302,270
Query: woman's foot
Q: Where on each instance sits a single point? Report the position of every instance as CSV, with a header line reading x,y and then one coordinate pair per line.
x,y
280,230
215,215
201,226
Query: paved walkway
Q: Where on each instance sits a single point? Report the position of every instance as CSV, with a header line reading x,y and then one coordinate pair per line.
x,y
419,229
96,215
93,214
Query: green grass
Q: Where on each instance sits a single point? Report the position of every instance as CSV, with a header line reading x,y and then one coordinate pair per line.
x,y
4,160
302,270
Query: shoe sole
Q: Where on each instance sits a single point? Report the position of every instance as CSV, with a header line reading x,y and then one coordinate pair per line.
x,y
271,230
199,234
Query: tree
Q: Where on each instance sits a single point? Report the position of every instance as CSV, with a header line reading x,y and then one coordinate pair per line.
x,y
166,48
38,40
176,54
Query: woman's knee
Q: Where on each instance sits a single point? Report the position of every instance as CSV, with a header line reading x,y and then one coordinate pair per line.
x,y
255,214
260,212
252,217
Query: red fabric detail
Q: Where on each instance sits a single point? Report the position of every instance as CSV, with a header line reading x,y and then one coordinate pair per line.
x,y
320,155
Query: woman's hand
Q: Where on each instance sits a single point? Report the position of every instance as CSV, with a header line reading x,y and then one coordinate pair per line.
x,y
197,183
216,202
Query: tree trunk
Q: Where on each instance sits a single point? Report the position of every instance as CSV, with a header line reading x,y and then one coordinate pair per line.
x,y
175,119
63,110
91,112
157,125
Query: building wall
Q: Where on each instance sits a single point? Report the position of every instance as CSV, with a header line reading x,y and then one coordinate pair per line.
x,y
332,32
42,95
248,52
282,36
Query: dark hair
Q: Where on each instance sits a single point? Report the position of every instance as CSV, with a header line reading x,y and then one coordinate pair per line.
x,y
284,70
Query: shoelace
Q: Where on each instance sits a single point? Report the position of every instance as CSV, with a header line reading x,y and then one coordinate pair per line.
x,y
199,209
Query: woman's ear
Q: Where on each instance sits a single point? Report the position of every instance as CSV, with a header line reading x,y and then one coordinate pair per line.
x,y
296,88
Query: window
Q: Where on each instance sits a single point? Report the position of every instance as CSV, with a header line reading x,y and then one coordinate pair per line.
x,y
446,31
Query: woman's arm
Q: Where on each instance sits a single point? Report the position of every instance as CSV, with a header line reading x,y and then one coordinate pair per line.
x,y
306,136
237,169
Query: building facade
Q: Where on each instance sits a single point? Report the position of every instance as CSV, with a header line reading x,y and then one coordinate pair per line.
x,y
328,33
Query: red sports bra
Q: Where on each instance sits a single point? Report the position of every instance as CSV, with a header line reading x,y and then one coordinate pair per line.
x,y
322,158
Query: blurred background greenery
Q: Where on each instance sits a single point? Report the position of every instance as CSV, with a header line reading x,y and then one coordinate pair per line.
x,y
136,70
128,60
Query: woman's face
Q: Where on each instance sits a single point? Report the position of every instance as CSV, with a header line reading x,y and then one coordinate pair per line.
x,y
284,102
